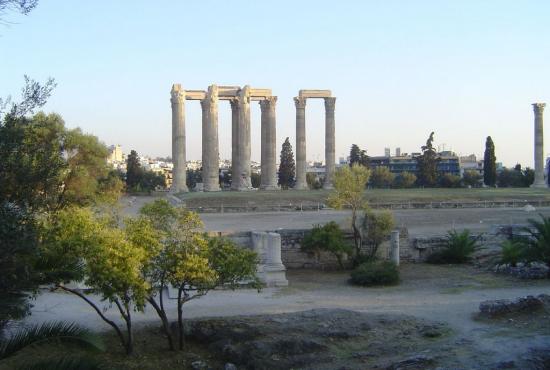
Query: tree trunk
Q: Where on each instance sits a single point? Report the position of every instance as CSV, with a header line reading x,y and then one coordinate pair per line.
x,y
165,325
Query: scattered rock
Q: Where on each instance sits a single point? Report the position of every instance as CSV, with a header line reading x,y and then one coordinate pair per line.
x,y
229,366
199,365
533,270
416,362
500,307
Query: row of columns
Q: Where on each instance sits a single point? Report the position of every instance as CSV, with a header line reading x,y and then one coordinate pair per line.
x,y
301,162
240,136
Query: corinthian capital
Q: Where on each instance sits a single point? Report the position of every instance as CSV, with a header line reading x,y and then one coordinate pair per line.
x,y
330,103
268,103
539,107
177,94
300,102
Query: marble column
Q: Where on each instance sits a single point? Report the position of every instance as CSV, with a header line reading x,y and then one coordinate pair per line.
x,y
539,182
179,172
330,151
268,180
244,148
210,143
301,165
235,169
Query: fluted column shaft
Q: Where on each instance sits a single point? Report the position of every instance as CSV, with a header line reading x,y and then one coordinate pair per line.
x,y
210,143
244,148
301,165
179,171
268,180
330,144
539,182
235,165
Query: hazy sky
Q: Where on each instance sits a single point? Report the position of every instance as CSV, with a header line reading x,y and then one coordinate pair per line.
x,y
399,69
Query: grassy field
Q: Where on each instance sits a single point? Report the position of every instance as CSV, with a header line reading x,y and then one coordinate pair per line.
x,y
235,199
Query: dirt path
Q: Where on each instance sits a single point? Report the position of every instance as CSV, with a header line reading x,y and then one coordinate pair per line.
x,y
446,294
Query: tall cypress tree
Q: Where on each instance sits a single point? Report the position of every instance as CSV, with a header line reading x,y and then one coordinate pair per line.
x,y
287,166
133,170
356,155
489,163
427,164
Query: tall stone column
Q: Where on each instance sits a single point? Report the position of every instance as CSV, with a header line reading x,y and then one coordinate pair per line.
x,y
235,165
179,172
539,182
301,165
244,148
210,143
268,180
329,142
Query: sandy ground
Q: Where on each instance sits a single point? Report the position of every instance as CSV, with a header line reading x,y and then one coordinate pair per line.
x,y
419,221
446,294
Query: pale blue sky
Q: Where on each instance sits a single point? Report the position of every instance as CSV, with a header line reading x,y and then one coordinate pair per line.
x,y
399,69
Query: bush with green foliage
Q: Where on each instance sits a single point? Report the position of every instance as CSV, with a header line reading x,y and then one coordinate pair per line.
x,y
404,180
512,252
328,238
375,228
448,180
459,248
375,273
381,177
537,245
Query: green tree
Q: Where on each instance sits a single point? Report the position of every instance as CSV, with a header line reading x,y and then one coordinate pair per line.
x,y
356,155
405,180
329,238
255,179
375,228
489,163
287,166
448,180
471,178
133,170
349,193
188,260
427,164
381,177
313,181
80,246
193,177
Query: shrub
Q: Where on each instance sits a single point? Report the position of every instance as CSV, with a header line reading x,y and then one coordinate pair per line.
x,y
329,238
375,227
536,247
375,273
459,248
405,180
512,252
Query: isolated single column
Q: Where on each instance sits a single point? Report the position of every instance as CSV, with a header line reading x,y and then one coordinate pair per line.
x,y
268,179
301,165
210,143
539,182
329,142
179,171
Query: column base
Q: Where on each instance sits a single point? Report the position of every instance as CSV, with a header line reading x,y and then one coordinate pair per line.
x,y
269,187
300,187
539,185
211,189
174,190
328,187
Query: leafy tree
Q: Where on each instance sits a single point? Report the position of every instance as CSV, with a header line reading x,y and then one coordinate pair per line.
x,y
489,163
287,166
427,164
381,177
349,192
313,181
471,178
448,180
189,261
80,246
359,156
18,251
33,95
528,177
375,228
329,238
49,334
516,177
193,177
405,180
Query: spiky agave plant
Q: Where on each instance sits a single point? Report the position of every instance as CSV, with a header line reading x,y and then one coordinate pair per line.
x,y
52,333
